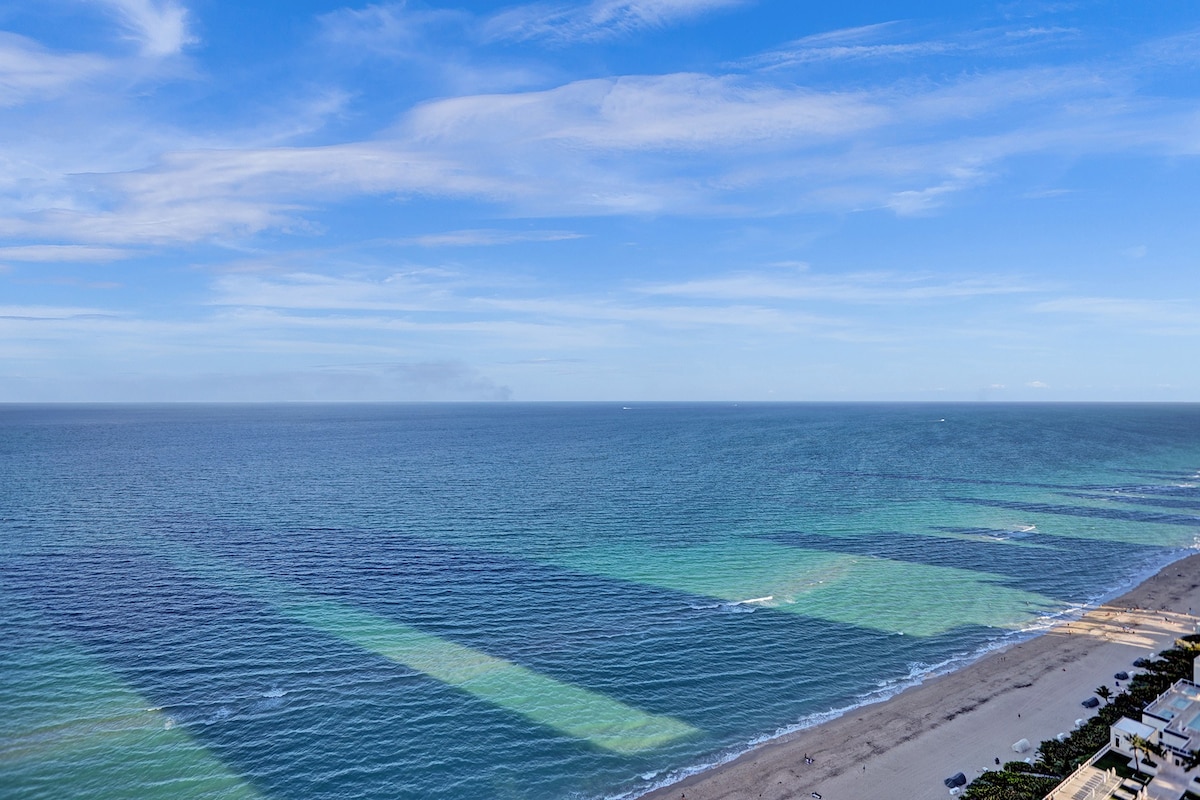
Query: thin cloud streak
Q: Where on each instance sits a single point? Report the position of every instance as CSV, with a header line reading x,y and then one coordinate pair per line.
x,y
47,253
487,238
159,26
598,20
28,71
870,288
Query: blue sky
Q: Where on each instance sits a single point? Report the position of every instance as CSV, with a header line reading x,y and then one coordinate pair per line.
x,y
605,200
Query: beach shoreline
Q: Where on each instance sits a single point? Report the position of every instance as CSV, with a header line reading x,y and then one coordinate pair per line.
x,y
966,719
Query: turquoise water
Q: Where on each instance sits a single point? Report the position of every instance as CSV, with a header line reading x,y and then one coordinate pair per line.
x,y
530,601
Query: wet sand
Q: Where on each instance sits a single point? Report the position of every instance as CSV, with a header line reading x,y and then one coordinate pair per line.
x,y
963,721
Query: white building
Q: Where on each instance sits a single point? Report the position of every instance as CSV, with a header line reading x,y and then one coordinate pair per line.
x,y
1171,723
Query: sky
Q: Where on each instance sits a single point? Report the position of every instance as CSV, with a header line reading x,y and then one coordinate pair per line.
x,y
619,200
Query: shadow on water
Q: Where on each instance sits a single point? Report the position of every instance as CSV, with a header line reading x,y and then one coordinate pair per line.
x,y
1159,499
627,640
296,713
303,714
932,479
1124,515
1020,567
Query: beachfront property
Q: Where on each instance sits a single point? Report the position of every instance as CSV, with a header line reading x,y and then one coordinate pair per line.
x,y
1170,724
1175,717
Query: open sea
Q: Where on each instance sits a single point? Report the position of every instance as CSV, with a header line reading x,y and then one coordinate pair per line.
x,y
533,601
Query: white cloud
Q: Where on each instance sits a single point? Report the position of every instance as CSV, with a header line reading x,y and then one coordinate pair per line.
x,y
159,26
391,29
1182,49
846,44
29,71
397,292
487,238
32,313
62,252
196,195
884,41
1154,313
870,288
599,19
681,110
676,143
424,299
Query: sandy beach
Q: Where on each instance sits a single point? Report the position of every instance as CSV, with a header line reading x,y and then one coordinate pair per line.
x,y
963,721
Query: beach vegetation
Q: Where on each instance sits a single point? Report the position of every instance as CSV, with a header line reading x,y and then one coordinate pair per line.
x,y
1103,692
1016,781
1056,760
1146,747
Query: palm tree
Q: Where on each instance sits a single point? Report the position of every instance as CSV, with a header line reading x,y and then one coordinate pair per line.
x,y
1104,692
1145,747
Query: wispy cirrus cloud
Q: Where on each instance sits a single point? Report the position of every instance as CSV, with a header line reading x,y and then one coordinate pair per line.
x,y
676,143
45,253
194,195
160,27
681,110
29,71
597,20
895,41
859,43
487,237
555,152
42,313
420,300
866,288
393,29
1175,315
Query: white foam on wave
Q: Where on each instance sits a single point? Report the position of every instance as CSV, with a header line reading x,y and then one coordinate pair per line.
x,y
918,673
704,607
737,608
274,692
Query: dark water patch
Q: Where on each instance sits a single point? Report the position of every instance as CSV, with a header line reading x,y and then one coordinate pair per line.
x,y
443,517
1159,474
1163,500
1021,568
646,646
297,713
1124,515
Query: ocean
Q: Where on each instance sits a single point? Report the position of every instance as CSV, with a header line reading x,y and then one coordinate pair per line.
x,y
533,601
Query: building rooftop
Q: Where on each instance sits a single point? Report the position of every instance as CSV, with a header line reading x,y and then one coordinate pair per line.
x,y
1176,712
1132,727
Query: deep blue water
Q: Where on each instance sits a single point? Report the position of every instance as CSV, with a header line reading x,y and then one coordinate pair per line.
x,y
529,601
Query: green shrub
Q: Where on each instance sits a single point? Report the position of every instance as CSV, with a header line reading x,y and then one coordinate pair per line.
x,y
1009,785
1021,781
